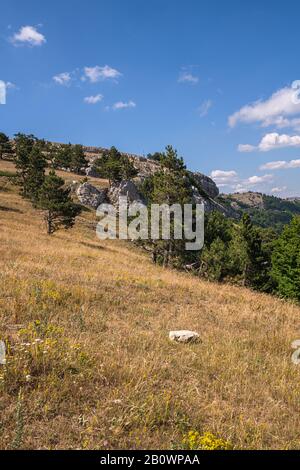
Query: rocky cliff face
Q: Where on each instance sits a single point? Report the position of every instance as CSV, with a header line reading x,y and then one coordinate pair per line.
x,y
147,167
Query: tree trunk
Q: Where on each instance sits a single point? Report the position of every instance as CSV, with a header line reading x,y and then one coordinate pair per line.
x,y
166,256
48,218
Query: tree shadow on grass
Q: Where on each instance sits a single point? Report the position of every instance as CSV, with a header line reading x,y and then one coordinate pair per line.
x,y
10,209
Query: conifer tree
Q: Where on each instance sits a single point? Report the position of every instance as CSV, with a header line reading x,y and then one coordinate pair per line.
x,y
63,156
55,201
286,261
257,267
35,174
169,186
78,160
115,167
24,145
5,145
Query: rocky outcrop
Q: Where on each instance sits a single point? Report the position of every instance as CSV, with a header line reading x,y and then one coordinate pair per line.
x,y
124,188
91,172
90,196
207,184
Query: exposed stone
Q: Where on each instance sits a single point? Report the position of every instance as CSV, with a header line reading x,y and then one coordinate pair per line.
x,y
124,188
90,196
184,336
91,172
207,184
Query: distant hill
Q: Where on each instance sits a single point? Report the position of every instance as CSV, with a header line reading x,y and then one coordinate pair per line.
x,y
265,211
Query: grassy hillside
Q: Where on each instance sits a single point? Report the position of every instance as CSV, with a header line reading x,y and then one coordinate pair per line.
x,y
89,361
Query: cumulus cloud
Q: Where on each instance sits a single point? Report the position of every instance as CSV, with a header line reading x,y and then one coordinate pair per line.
x,y
272,141
223,178
28,35
273,111
278,190
205,107
97,73
123,105
187,77
232,180
93,99
259,179
281,165
63,78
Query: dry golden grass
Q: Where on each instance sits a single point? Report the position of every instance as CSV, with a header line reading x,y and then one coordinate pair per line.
x,y
110,378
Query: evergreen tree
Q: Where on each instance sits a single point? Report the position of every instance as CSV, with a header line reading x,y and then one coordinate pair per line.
x,y
63,156
55,200
24,145
286,261
257,269
115,167
35,174
169,186
78,160
5,146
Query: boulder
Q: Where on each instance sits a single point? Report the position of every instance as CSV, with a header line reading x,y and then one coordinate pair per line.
x,y
90,196
124,188
184,336
208,185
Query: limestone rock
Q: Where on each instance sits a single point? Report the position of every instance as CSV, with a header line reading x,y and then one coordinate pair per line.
x,y
90,196
184,336
91,172
124,188
208,185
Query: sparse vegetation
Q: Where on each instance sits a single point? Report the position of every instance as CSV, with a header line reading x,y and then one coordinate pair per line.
x,y
111,377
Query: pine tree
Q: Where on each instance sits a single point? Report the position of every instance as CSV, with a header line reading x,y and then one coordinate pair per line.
x,y
5,146
55,201
257,269
35,174
24,145
169,186
78,160
115,167
286,261
63,156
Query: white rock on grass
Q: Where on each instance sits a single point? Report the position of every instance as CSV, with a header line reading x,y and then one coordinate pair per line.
x,y
184,336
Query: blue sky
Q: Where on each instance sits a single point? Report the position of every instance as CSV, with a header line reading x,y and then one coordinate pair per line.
x,y
212,78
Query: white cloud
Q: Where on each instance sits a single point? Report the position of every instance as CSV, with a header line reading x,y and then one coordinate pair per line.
x,y
62,78
246,148
97,73
237,184
274,110
224,178
187,77
205,107
28,35
93,99
278,190
123,105
281,165
272,141
258,179
251,183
